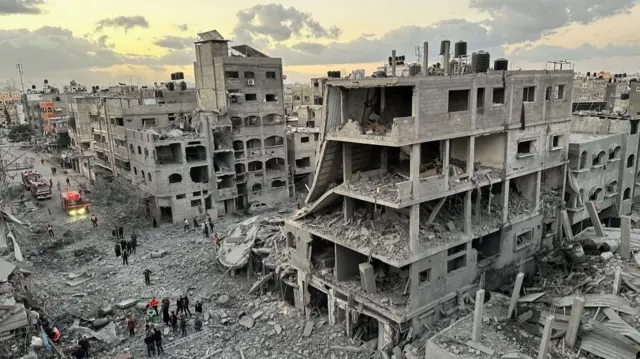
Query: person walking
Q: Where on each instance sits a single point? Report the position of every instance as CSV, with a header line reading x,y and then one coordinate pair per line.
x,y
174,321
165,311
50,183
94,220
121,232
186,225
157,338
179,305
198,307
125,257
50,230
68,182
148,340
185,304
131,325
147,276
210,221
183,325
58,186
134,242
155,222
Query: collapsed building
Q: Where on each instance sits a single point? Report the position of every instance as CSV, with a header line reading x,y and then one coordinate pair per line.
x,y
603,152
240,102
425,188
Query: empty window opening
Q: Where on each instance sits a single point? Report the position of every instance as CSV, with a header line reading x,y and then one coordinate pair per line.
x,y
315,137
139,150
181,196
529,94
119,121
238,145
231,74
240,168
304,139
278,184
498,96
559,92
199,174
135,171
271,97
175,178
250,97
627,194
271,75
612,187
148,122
272,119
195,203
142,174
583,160
598,159
480,98
236,122
425,277
524,239
149,177
630,160
256,187
526,147
131,149
252,121
196,194
596,194
303,162
634,126
458,100
146,152
254,143
275,165
556,141
487,246
456,263
547,93
255,166
196,153
169,154
249,75
273,141
457,249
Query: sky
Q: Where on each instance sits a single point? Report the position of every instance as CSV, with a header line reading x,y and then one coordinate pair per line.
x,y
143,41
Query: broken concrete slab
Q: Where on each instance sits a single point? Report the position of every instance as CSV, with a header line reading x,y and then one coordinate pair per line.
x,y
599,300
77,280
223,299
308,328
367,277
99,323
277,328
246,322
159,254
260,283
126,303
106,310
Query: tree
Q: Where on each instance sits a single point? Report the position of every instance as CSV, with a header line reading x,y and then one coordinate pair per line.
x,y
19,133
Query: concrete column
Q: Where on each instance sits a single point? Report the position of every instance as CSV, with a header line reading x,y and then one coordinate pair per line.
x,y
385,335
384,158
538,189
617,281
343,106
445,162
595,220
515,295
414,229
467,213
505,201
347,173
546,337
472,151
625,237
367,277
476,333
574,321
331,306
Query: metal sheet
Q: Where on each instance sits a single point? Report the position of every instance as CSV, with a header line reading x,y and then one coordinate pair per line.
x,y
599,300
6,268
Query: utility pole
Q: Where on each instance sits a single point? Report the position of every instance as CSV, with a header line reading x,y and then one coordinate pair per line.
x,y
20,71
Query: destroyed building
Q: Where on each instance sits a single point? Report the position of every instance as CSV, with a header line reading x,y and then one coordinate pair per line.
x,y
240,98
424,187
302,146
603,166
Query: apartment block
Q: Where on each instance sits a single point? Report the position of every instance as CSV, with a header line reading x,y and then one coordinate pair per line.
x,y
300,95
425,188
302,146
602,167
634,98
240,97
589,94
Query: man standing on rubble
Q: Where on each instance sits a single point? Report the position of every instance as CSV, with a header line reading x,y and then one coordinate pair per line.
x,y
198,307
154,303
195,224
131,325
123,244
179,308
183,325
157,338
147,276
174,321
165,311
94,220
50,230
121,232
129,247
134,242
117,250
154,222
148,340
68,182
186,225
125,257
210,221
185,305
114,233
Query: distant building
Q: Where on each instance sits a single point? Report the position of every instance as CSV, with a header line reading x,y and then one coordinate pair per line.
x,y
589,94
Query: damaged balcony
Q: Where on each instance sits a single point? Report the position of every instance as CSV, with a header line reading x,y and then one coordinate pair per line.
x,y
303,166
275,167
223,164
169,154
226,188
195,152
222,139
238,150
274,146
255,170
254,148
199,174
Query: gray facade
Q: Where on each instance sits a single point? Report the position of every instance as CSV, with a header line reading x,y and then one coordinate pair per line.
x,y
423,186
589,94
240,97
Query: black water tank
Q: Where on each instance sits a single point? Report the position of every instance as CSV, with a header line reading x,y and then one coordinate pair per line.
x,y
501,64
480,61
443,47
183,86
171,86
173,76
414,69
460,49
180,76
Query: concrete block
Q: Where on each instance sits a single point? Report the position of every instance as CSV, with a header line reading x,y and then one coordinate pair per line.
x,y
367,277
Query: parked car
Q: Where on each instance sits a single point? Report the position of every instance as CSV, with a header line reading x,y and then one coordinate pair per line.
x,y
258,207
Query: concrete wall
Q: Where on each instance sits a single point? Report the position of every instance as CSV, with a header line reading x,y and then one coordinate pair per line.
x,y
542,150
634,98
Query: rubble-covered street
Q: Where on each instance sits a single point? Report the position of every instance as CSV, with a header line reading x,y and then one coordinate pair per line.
x,y
84,289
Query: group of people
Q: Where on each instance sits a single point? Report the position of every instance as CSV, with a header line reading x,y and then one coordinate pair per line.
x,y
206,227
124,247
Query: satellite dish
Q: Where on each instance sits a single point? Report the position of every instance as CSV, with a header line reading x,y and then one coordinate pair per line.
x,y
284,77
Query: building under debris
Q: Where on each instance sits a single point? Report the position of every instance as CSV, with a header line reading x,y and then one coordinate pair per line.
x,y
240,99
603,152
302,146
425,188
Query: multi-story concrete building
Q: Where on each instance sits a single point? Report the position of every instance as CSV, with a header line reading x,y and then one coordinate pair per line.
x,y
84,112
602,167
302,146
617,95
634,98
297,95
589,94
425,188
240,99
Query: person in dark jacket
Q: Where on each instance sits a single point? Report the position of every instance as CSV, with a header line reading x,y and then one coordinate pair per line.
x,y
147,276
114,233
155,222
179,308
185,305
157,338
121,232
80,353
210,223
134,242
84,344
198,307
129,247
165,311
123,244
148,340
125,257
183,325
195,223
117,250
174,321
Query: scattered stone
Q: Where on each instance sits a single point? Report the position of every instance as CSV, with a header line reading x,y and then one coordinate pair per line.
x,y
99,323
308,328
278,328
126,303
104,311
141,306
257,315
606,256
158,254
246,322
451,226
223,299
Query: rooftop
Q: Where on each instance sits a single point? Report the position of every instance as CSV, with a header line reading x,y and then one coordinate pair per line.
x,y
580,138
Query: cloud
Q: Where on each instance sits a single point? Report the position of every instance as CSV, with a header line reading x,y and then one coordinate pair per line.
x,y
174,42
125,22
581,53
13,7
274,22
183,27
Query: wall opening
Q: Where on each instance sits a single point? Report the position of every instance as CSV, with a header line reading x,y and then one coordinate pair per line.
x,y
252,121
489,150
599,159
240,168
630,160
457,263
175,178
304,139
583,160
278,184
271,97
480,98
523,240
560,92
254,143
529,94
238,145
199,174
273,141
250,97
303,162
547,93
627,194
595,194
196,153
615,153
487,246
527,147
256,187
236,122
556,141
425,277
255,166
275,164
612,187
169,154
165,214
498,96
458,100
272,119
